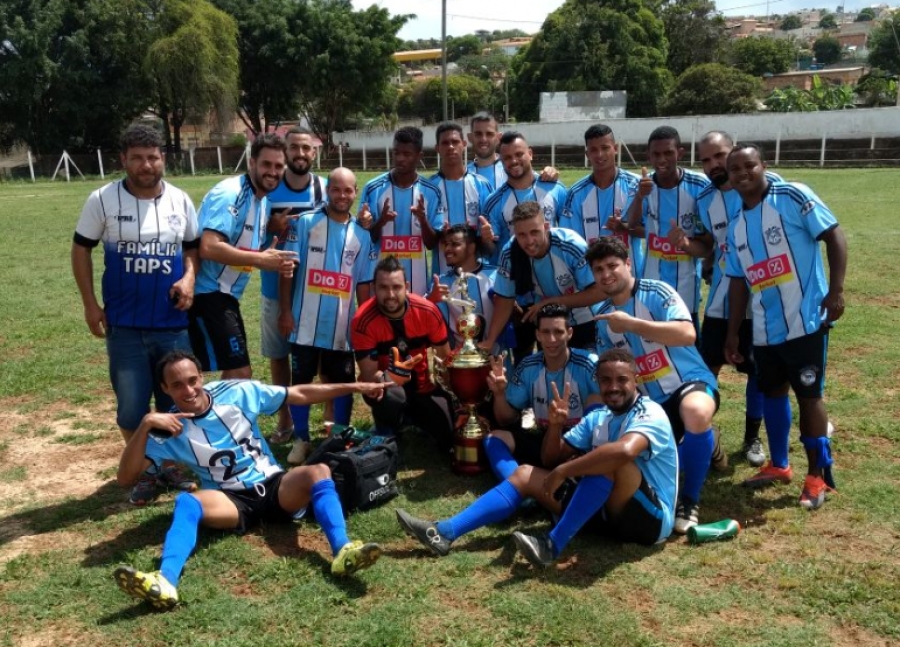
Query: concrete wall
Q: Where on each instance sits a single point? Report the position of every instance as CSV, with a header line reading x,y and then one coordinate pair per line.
x,y
580,106
845,124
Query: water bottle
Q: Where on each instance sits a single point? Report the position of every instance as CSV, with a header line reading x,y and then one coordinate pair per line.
x,y
725,529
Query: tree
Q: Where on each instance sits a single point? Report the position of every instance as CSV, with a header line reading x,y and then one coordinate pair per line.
x,y
789,99
884,46
696,33
494,64
712,89
758,55
467,94
457,47
828,21
876,89
588,45
193,62
827,50
866,14
791,21
821,96
347,64
70,72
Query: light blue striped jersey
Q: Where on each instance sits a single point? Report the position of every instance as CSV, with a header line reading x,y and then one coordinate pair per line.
x,y
143,246
495,173
231,209
775,248
297,202
403,237
480,285
661,369
334,258
588,207
499,207
664,262
658,463
562,270
463,201
530,385
224,446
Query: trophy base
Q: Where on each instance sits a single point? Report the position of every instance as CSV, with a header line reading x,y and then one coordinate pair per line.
x,y
468,448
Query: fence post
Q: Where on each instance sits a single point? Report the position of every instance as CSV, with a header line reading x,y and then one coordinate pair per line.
x,y
66,164
822,154
191,156
387,157
693,141
30,165
219,155
553,153
619,162
100,161
778,147
872,143
364,157
340,154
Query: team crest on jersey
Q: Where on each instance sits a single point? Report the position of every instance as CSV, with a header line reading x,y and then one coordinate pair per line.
x,y
808,375
548,212
808,206
472,209
773,235
671,301
574,401
564,280
687,221
349,257
176,222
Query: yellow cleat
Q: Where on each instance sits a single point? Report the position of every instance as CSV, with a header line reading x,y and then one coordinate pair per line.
x,y
355,556
152,587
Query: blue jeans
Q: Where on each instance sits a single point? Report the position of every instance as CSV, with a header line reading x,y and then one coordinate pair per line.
x,y
133,354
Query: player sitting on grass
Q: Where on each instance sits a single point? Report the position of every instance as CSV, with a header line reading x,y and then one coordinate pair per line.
x,y
617,468
213,430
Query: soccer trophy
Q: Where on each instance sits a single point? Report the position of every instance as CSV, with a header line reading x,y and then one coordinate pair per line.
x,y
466,373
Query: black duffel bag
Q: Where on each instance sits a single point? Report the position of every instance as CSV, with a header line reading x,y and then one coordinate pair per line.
x,y
365,476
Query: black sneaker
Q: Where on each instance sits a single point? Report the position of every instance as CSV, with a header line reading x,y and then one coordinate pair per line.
x,y
425,531
537,550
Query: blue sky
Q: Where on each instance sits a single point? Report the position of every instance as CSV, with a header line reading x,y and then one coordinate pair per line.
x,y
467,16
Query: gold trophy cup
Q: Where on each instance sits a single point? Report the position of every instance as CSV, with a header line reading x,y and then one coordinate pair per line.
x,y
467,372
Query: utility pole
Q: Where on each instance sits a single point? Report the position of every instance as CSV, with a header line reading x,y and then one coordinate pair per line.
x,y
444,56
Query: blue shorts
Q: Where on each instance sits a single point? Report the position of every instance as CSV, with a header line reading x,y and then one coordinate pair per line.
x,y
274,345
133,354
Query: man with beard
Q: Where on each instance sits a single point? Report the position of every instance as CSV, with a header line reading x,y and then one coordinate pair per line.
x,y
214,429
598,204
484,137
150,239
390,336
334,273
300,190
233,218
773,254
616,469
463,193
649,319
403,211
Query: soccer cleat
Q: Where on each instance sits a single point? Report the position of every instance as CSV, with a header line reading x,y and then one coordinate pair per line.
x,y
299,452
177,479
813,495
425,531
538,550
145,490
355,556
754,453
719,460
768,475
687,515
152,587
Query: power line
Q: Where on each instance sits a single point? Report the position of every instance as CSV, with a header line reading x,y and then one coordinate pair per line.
x,y
529,22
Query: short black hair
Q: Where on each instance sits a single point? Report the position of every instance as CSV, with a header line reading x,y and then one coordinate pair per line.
x,y
663,133
267,140
604,247
141,136
173,357
744,146
299,130
447,126
714,134
389,265
409,135
510,136
460,228
552,311
617,355
481,115
596,131
526,211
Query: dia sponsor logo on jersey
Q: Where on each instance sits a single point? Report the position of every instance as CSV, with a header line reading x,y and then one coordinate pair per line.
x,y
329,283
769,273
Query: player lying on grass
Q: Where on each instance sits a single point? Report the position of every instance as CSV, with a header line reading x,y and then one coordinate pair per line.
x,y
213,430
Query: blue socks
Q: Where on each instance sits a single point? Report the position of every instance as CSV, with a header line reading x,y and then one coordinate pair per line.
x,y
499,458
327,507
300,416
181,538
777,415
590,496
343,407
695,454
494,505
755,399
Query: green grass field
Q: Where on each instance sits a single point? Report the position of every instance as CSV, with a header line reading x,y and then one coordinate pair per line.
x,y
791,578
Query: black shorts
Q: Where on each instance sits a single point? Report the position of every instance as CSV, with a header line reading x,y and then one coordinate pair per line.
x,y
217,332
259,504
800,362
712,344
639,523
584,336
528,446
308,361
672,406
